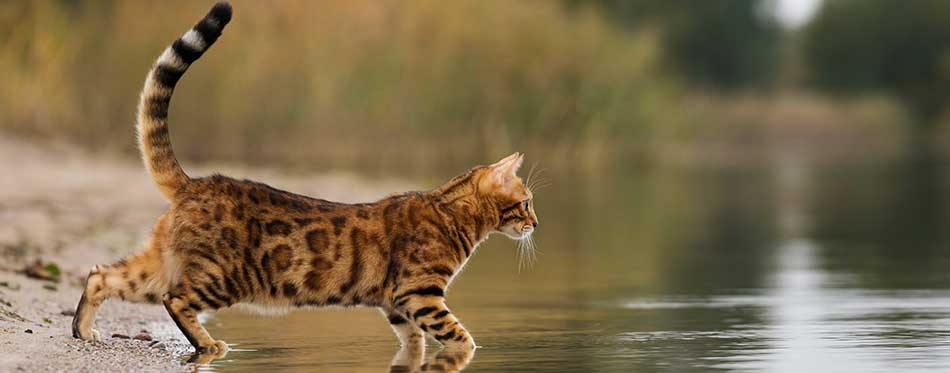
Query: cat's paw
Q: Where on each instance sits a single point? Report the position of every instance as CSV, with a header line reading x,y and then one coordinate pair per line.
x,y
468,344
221,347
206,354
89,335
218,349
452,360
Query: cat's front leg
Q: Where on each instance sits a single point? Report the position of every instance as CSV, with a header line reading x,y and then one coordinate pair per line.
x,y
409,334
431,315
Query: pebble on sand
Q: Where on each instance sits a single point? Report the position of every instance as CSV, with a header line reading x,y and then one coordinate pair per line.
x,y
10,285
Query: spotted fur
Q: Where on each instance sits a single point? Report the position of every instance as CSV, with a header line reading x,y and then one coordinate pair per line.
x,y
226,242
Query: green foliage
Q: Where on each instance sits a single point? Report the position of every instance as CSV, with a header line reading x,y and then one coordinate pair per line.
x,y
727,44
53,270
893,46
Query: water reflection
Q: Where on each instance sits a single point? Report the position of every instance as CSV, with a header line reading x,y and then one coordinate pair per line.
x,y
812,323
204,358
787,265
407,359
410,359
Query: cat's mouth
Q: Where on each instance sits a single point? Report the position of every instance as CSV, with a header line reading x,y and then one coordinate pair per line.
x,y
526,233
514,233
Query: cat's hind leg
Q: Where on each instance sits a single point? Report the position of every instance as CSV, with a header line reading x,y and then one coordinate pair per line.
x,y
138,278
184,312
141,278
208,281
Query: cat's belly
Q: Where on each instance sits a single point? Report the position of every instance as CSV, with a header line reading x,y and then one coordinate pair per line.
x,y
278,308
266,308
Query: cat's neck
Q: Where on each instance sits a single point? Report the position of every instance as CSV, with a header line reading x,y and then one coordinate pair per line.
x,y
464,212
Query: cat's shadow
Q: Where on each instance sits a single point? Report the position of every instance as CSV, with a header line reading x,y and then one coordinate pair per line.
x,y
407,359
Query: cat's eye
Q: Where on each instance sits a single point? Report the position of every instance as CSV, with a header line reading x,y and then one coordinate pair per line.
x,y
525,203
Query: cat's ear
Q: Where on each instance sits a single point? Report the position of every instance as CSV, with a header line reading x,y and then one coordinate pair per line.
x,y
509,165
503,174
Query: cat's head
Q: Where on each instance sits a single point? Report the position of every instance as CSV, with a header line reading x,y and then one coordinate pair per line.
x,y
510,197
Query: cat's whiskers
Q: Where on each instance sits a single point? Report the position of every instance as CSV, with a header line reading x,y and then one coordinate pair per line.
x,y
539,184
532,251
526,251
535,179
530,174
520,255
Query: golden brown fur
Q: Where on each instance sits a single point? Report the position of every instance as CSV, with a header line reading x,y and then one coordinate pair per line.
x,y
225,242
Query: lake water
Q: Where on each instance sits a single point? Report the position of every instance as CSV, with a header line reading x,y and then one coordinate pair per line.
x,y
786,265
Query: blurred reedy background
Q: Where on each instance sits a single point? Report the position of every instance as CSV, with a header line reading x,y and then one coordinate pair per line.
x,y
423,83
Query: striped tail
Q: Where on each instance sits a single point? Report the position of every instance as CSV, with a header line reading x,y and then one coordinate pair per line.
x,y
152,121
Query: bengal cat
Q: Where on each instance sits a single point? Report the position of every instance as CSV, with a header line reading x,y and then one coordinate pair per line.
x,y
225,242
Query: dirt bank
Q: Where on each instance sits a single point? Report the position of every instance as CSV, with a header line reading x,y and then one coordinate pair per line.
x,y
71,210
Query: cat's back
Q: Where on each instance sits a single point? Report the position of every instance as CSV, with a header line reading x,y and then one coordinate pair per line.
x,y
247,213
222,198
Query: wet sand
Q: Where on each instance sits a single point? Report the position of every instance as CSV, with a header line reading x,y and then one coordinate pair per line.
x,y
63,206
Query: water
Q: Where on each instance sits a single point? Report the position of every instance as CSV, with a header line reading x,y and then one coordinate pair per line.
x,y
789,264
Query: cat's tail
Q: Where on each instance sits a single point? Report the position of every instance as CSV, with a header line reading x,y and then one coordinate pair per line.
x,y
152,120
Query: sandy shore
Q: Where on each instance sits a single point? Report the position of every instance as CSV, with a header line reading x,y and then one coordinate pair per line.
x,y
62,206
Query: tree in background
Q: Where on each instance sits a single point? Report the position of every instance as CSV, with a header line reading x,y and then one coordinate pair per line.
x,y
725,44
893,46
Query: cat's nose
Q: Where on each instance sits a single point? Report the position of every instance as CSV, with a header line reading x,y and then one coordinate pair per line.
x,y
534,224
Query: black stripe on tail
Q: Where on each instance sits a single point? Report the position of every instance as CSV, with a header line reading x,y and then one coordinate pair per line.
x,y
209,28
